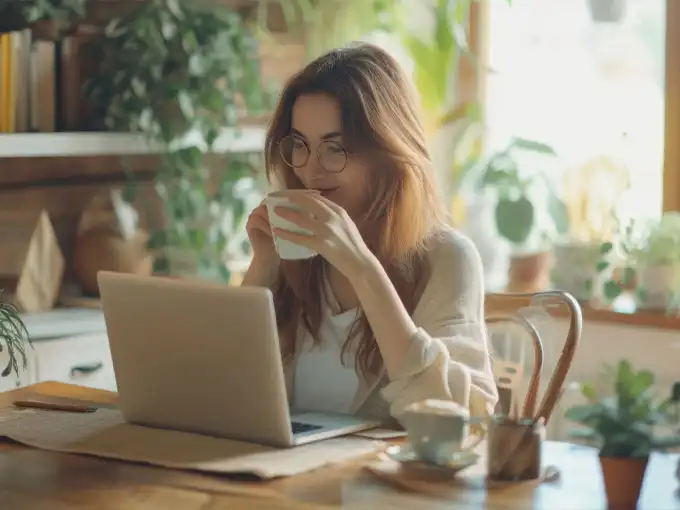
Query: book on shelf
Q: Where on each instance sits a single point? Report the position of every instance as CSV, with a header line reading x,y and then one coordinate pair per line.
x,y
41,83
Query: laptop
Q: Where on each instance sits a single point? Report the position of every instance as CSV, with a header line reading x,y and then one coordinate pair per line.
x,y
201,357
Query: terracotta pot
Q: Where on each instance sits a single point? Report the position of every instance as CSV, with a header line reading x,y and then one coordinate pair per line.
x,y
104,249
618,277
49,30
623,480
529,273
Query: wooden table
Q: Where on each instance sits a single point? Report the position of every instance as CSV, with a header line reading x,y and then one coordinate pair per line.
x,y
33,479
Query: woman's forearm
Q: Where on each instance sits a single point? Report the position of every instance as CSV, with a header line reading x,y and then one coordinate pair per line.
x,y
260,275
391,323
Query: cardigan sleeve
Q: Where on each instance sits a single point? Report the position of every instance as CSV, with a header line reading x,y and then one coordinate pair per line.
x,y
448,358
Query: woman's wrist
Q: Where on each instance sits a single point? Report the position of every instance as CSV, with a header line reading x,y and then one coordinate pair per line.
x,y
261,273
364,271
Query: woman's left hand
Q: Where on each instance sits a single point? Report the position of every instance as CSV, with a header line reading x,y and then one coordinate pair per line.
x,y
332,233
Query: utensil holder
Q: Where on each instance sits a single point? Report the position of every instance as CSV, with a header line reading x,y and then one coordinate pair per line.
x,y
556,384
514,449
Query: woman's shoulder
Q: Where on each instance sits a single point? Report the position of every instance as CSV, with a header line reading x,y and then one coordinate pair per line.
x,y
448,247
455,276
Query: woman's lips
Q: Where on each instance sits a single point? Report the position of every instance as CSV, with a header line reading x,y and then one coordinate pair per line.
x,y
327,191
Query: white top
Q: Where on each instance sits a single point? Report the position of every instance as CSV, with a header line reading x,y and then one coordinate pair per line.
x,y
448,358
322,381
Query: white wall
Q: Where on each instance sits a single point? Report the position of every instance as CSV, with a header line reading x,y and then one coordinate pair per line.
x,y
604,343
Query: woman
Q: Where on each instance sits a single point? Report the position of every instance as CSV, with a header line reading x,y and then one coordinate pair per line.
x,y
391,310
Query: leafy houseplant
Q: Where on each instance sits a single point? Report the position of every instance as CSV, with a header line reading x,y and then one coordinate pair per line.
x,y
13,338
615,271
18,14
180,73
518,210
644,258
437,55
527,211
662,244
658,263
623,428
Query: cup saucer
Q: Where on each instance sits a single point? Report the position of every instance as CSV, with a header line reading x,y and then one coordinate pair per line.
x,y
407,457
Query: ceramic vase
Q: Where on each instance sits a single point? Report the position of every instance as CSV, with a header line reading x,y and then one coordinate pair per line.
x,y
660,284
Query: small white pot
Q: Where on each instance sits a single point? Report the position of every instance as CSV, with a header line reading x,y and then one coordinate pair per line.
x,y
575,266
660,283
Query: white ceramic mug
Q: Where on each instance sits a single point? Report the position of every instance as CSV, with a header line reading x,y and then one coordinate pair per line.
x,y
438,430
286,249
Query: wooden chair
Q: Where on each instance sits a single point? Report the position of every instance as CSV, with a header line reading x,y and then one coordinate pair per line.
x,y
506,314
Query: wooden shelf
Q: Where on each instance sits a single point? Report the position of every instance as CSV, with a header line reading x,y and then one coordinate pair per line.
x,y
40,145
502,304
55,159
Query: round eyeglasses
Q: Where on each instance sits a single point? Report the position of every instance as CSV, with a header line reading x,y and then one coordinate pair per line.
x,y
295,153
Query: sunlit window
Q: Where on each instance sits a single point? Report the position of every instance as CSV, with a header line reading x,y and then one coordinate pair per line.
x,y
572,74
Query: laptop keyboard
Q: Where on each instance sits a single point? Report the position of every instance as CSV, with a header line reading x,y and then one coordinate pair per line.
x,y
299,428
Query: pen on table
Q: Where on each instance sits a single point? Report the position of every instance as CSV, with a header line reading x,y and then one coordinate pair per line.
x,y
54,406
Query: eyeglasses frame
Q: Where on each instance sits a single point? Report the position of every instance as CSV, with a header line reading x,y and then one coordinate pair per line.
x,y
309,153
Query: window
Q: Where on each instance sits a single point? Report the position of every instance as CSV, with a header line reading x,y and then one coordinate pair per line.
x,y
594,91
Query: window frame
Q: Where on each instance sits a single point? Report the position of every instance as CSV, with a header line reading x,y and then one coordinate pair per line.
x,y
671,169
471,86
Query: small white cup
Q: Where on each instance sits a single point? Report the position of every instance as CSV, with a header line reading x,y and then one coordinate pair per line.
x,y
438,430
286,249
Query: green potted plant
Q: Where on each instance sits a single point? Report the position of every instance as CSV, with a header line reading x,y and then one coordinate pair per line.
x,y
182,74
13,339
643,258
616,267
528,213
658,262
622,426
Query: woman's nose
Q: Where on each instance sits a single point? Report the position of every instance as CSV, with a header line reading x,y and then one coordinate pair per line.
x,y
313,168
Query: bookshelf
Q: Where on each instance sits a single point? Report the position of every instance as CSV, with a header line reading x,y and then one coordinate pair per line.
x,y
79,144
55,154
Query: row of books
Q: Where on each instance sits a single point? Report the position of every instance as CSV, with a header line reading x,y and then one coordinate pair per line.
x,y
41,83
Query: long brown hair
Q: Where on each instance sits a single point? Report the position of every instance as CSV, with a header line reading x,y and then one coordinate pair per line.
x,y
379,115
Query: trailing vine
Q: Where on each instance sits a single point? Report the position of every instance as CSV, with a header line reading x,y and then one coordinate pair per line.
x,y
183,75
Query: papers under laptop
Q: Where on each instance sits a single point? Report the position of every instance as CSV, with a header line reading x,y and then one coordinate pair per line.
x,y
205,358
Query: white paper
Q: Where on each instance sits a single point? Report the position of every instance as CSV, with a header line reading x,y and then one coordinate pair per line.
x,y
104,433
381,433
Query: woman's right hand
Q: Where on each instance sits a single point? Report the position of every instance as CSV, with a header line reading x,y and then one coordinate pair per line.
x,y
261,238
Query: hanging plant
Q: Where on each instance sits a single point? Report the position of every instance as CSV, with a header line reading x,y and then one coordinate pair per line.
x,y
607,11
180,74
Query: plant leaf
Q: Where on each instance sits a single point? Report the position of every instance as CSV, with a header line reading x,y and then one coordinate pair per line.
x,y
532,146
588,391
601,266
515,219
581,413
611,290
606,248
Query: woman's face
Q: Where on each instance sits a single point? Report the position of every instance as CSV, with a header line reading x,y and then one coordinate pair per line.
x,y
316,130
